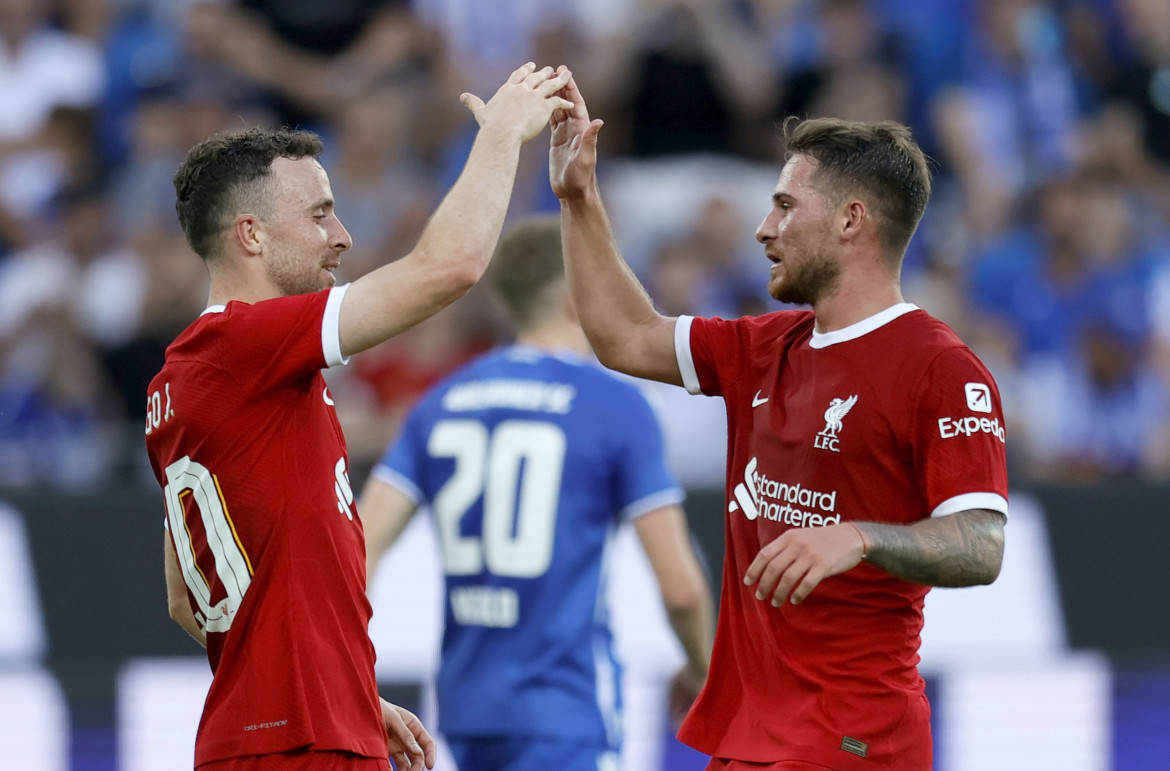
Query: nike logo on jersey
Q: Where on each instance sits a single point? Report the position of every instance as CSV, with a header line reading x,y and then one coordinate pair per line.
x,y
757,401
325,395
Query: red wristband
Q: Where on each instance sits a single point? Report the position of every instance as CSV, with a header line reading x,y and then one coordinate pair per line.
x,y
864,541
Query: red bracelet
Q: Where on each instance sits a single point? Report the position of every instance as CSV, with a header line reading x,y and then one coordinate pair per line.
x,y
864,541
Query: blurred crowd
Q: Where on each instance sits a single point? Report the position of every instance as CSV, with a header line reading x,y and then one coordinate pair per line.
x,y
1046,245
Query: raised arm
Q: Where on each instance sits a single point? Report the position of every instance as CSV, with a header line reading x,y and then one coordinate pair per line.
x,y
686,596
385,513
962,549
455,247
625,330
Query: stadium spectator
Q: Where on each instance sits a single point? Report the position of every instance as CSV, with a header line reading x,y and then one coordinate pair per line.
x,y
694,80
1140,82
814,555
42,69
309,56
1010,122
858,74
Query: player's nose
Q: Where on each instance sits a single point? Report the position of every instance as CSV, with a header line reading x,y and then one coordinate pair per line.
x,y
341,239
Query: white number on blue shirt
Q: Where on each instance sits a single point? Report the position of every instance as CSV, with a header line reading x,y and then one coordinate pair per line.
x,y
517,471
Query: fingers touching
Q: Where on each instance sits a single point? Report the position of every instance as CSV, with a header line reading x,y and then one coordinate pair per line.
x,y
528,94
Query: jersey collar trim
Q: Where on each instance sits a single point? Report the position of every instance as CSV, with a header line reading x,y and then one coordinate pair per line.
x,y
533,351
863,327
213,309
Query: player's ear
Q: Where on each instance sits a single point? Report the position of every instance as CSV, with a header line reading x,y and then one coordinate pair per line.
x,y
249,234
854,216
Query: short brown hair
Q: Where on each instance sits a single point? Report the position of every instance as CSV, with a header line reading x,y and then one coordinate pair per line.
x,y
225,174
880,162
527,261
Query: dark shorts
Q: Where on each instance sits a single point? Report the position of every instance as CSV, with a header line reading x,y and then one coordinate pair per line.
x,y
301,760
526,754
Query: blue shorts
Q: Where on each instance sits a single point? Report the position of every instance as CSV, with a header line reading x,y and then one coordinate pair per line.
x,y
528,754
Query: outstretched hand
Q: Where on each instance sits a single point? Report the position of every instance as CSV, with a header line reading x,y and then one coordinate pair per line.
x,y
572,153
791,566
527,100
410,745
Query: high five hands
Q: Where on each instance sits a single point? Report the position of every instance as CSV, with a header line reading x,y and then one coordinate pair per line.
x,y
528,100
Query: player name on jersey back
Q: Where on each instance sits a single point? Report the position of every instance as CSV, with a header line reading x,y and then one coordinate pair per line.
x,y
513,394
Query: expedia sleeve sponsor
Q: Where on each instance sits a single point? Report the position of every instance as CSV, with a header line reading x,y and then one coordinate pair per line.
x,y
969,426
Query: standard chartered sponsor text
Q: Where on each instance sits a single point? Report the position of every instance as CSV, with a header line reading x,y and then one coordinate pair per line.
x,y
794,504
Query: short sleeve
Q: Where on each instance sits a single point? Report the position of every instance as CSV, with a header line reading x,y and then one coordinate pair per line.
x,y
708,351
961,440
644,481
401,466
285,339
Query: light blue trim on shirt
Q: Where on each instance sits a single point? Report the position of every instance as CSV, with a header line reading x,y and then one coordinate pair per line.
x,y
671,497
400,483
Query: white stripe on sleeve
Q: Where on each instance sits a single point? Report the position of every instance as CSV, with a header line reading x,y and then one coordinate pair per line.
x,y
331,328
967,501
682,351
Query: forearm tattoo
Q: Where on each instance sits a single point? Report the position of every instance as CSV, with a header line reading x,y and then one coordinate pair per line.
x,y
962,549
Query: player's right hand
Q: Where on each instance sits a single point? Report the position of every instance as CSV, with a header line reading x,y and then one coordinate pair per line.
x,y
526,102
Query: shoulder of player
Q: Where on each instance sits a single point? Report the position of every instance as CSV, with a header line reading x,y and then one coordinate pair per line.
x,y
929,336
777,322
934,354
767,328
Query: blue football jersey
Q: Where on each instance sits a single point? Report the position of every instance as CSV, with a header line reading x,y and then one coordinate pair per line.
x,y
529,460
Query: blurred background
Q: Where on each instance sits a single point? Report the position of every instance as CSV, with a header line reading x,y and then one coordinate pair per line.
x,y
1046,246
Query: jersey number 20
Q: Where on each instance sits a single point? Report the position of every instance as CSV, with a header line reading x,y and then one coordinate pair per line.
x,y
516,469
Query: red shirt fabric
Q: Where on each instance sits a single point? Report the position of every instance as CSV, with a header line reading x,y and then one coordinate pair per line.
x,y
243,437
890,420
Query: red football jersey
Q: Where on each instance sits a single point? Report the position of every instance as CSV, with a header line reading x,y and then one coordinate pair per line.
x,y
890,420
243,437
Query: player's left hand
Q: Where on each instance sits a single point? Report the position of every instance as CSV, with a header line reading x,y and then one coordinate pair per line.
x,y
410,745
572,155
791,566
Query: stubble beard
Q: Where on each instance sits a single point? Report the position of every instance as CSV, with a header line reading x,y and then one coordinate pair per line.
x,y
290,281
807,281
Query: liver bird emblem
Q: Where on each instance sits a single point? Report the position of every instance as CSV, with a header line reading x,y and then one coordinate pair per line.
x,y
838,409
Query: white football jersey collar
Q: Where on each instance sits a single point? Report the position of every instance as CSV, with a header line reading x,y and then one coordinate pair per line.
x,y
863,327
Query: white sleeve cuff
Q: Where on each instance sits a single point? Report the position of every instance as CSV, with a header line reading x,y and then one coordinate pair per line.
x,y
967,501
682,351
400,483
671,497
331,328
